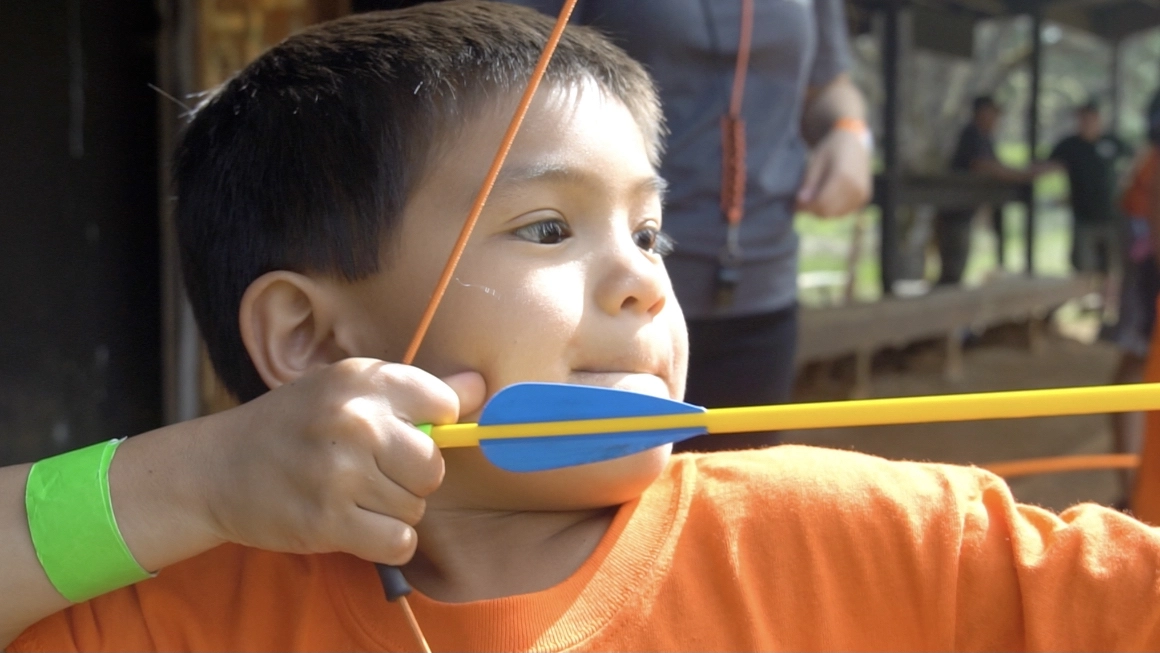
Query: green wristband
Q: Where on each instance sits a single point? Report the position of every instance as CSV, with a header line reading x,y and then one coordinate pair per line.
x,y
70,516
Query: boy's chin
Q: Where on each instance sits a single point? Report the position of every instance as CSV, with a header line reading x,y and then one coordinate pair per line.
x,y
472,478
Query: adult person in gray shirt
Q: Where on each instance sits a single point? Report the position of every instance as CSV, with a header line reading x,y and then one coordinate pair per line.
x,y
806,148
796,91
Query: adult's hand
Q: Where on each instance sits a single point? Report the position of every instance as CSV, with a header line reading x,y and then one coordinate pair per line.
x,y
837,180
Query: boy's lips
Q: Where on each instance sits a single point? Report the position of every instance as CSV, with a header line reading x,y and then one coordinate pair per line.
x,y
642,382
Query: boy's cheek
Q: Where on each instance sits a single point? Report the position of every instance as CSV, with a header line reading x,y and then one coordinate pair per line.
x,y
680,344
529,316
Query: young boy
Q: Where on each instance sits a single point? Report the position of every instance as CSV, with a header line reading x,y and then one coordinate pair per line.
x,y
319,193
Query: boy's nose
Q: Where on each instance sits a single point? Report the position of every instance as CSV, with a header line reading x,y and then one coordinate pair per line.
x,y
631,281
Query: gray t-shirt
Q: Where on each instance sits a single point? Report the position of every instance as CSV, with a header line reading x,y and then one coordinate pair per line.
x,y
690,48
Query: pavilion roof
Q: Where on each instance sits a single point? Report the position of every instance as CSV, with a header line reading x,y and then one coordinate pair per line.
x,y
1108,19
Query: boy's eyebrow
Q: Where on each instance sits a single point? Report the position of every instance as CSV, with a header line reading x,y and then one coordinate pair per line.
x,y
539,172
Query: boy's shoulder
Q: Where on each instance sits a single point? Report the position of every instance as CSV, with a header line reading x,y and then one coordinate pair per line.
x,y
812,473
796,538
828,489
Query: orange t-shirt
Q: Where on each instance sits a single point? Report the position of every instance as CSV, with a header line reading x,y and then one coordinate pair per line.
x,y
1146,495
789,548
1137,198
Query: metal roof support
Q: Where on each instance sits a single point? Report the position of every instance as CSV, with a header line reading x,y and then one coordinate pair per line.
x,y
1033,127
890,179
1117,97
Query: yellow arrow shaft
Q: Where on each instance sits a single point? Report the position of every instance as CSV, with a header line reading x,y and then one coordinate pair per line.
x,y
869,412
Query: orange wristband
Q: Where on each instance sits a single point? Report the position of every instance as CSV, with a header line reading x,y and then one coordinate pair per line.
x,y
856,126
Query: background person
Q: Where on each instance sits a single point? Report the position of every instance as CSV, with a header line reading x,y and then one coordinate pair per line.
x,y
975,153
1090,157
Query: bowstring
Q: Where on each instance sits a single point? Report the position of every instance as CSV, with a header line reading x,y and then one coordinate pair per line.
x,y
489,181
469,225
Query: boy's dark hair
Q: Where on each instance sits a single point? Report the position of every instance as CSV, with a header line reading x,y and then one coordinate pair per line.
x,y
305,160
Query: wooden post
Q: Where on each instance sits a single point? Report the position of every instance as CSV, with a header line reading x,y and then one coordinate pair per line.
x,y
953,367
863,369
1037,332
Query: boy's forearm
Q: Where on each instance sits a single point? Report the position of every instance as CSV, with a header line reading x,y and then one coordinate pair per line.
x,y
25,593
155,495
158,485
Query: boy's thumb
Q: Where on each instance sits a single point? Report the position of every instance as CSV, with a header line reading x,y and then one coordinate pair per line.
x,y
470,388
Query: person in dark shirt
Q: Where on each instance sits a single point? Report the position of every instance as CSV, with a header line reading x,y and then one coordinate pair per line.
x,y
975,153
1090,157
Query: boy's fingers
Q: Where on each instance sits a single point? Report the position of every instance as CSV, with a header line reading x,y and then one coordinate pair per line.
x,y
420,397
378,538
387,498
412,461
410,458
471,390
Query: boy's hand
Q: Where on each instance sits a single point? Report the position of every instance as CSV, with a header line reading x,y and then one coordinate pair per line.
x,y
332,462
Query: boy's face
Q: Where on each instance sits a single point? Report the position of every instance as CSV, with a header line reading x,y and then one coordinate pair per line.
x,y
561,282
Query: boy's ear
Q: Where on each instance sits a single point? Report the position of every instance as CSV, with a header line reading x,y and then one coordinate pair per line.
x,y
287,323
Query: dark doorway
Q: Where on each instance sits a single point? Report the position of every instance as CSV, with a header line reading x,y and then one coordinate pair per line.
x,y
79,278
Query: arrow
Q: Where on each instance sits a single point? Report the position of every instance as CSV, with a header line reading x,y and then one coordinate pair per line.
x,y
540,426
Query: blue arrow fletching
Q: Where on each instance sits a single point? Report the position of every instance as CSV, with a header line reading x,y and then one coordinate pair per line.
x,y
557,402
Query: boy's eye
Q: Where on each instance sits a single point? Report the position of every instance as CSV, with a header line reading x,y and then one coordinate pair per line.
x,y
545,232
654,241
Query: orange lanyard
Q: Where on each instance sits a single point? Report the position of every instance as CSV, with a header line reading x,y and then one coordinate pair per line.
x,y
733,128
733,167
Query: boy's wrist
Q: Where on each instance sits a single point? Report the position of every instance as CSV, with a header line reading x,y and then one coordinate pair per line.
x,y
159,485
73,526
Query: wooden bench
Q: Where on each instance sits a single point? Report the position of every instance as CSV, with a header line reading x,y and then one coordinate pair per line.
x,y
864,329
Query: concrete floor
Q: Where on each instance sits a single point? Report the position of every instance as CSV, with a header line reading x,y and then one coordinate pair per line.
x,y
1003,366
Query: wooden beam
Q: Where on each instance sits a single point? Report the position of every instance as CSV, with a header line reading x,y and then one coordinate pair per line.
x,y
828,333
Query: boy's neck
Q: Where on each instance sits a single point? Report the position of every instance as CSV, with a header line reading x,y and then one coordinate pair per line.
x,y
472,555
